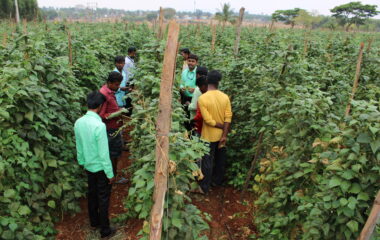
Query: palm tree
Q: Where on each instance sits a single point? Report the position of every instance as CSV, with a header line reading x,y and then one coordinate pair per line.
x,y
225,15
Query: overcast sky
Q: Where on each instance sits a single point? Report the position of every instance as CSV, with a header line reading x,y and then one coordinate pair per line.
x,y
252,6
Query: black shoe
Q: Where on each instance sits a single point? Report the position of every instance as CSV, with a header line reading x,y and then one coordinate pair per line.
x,y
95,226
109,233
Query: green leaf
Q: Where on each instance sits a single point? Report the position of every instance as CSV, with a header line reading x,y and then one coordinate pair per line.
x,y
363,196
177,222
353,226
375,145
343,202
29,115
13,226
352,203
9,193
24,210
52,163
355,188
335,181
373,130
363,138
51,204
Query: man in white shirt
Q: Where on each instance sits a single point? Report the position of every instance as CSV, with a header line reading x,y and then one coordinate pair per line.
x,y
129,70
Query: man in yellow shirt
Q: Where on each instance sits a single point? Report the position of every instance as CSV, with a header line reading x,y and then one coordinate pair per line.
x,y
216,111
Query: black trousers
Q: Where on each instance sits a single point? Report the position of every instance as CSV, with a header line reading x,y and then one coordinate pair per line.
x,y
99,192
213,166
115,145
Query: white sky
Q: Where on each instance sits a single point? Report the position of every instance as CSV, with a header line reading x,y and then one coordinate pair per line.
x,y
252,6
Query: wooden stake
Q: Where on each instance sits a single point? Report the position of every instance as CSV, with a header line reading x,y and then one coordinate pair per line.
x,y
5,38
271,26
161,23
356,79
17,12
372,220
253,163
369,45
163,127
70,48
213,40
238,31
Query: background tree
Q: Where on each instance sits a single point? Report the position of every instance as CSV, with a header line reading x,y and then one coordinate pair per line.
x,y
286,16
308,19
151,16
226,14
353,13
28,9
169,13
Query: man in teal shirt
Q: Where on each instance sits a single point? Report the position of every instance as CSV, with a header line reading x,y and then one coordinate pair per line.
x,y
188,79
93,155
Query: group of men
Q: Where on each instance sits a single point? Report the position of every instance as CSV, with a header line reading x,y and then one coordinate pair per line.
x,y
99,141
210,115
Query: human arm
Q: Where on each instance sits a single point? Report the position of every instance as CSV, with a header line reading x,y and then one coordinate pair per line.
x,y
194,100
79,147
227,124
207,118
103,150
116,114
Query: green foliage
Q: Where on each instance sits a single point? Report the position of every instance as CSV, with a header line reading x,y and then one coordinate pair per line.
x,y
286,16
226,14
353,13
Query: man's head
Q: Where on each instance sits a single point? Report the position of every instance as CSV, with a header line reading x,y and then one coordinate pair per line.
x,y
185,52
214,77
192,61
95,101
201,71
201,82
132,51
113,81
119,62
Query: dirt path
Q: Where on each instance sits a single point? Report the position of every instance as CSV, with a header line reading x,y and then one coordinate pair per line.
x,y
77,227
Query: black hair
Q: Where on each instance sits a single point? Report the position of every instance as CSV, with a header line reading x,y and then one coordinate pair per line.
x,y
185,50
201,81
119,59
193,56
214,77
202,71
132,49
114,77
95,99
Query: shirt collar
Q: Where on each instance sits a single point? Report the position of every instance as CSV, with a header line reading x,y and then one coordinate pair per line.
x,y
108,91
93,114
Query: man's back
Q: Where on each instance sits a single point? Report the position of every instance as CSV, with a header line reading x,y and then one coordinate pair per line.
x,y
215,107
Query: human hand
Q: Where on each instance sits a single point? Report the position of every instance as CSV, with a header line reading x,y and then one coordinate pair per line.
x,y
112,180
191,90
187,103
222,142
124,88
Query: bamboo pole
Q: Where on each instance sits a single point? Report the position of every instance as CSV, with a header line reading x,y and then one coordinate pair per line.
x,y
17,12
238,31
5,39
253,163
161,23
163,127
369,45
70,48
372,220
213,40
356,79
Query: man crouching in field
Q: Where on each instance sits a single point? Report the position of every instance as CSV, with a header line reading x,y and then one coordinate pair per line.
x,y
93,154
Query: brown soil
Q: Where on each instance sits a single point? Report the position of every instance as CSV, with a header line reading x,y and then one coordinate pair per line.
x,y
232,218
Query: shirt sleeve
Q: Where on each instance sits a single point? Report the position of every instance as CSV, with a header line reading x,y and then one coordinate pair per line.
x,y
182,83
102,112
228,112
207,118
79,146
102,141
194,99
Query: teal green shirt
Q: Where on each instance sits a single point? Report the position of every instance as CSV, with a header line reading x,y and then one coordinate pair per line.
x,y
92,144
188,79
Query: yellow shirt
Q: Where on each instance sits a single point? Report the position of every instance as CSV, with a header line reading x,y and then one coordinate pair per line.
x,y
215,107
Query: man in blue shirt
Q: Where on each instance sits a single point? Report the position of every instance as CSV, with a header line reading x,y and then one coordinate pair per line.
x,y
123,89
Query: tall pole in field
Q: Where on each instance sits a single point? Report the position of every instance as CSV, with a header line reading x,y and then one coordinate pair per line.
x,y
160,32
17,12
372,220
163,128
238,31
356,79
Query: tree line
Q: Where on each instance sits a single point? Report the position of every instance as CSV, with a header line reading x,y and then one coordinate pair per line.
x,y
28,9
